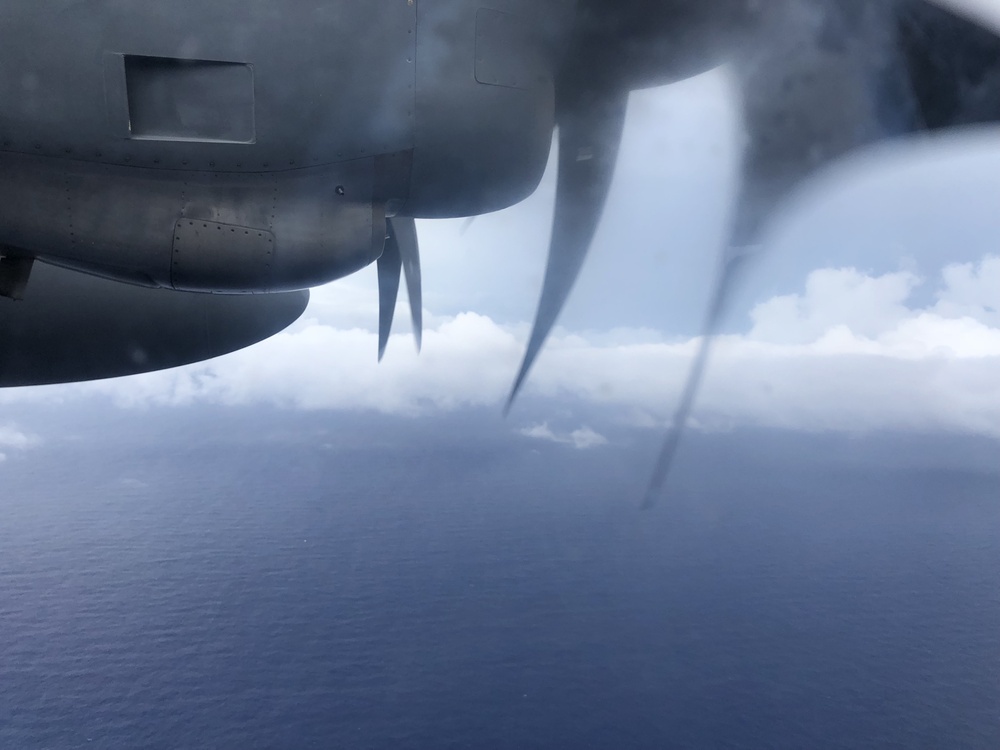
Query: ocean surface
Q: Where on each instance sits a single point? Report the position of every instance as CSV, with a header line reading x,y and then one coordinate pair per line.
x,y
234,579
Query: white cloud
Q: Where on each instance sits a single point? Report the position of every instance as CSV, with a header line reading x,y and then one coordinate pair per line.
x,y
846,311
466,361
540,432
11,438
847,353
835,297
585,437
582,438
971,291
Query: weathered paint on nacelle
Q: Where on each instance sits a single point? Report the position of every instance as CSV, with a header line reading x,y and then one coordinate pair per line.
x,y
284,129
112,83
270,231
485,103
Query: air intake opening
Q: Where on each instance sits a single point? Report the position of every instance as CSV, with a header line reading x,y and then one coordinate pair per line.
x,y
189,100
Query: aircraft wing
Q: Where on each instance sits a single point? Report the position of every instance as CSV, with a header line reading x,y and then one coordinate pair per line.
x,y
71,326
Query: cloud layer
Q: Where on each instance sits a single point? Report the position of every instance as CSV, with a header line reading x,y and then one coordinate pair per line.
x,y
11,438
582,438
845,353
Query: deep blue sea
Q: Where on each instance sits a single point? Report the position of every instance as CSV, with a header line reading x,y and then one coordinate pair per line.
x,y
233,579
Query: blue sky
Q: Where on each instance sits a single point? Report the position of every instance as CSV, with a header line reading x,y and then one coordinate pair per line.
x,y
873,304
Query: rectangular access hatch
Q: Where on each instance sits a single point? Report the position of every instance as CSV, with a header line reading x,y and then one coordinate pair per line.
x,y
171,99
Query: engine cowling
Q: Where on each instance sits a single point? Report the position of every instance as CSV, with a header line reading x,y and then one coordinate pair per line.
x,y
485,102
238,148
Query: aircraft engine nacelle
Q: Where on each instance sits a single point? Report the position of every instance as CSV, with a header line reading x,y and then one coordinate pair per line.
x,y
253,147
485,104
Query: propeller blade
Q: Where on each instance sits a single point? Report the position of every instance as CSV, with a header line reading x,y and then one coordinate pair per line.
x,y
953,62
466,224
403,230
791,133
389,265
947,74
589,135
717,306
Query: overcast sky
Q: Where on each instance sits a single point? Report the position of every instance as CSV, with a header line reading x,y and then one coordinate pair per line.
x,y
873,305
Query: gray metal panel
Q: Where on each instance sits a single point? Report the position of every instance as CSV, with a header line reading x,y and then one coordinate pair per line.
x,y
14,274
334,80
498,36
479,147
119,222
207,253
75,327
115,96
